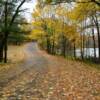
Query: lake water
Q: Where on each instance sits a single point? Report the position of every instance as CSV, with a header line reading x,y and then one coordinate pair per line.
x,y
88,52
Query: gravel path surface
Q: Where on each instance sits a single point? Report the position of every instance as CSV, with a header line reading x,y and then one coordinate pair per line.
x,y
44,77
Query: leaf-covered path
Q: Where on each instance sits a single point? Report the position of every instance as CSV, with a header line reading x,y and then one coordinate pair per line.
x,y
44,77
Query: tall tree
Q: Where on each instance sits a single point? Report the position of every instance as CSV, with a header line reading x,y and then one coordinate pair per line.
x,y
10,13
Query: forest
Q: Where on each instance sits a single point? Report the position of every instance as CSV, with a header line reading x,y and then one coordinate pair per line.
x,y
68,29
62,27
49,49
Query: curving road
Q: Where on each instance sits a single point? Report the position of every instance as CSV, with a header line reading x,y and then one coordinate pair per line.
x,y
34,61
44,77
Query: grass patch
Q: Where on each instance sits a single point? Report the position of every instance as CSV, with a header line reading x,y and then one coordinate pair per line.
x,y
92,64
15,56
88,62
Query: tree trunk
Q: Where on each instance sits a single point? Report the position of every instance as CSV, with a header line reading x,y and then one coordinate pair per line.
x,y
6,32
53,47
88,46
82,47
74,50
98,41
64,46
48,45
5,50
94,44
98,32
1,51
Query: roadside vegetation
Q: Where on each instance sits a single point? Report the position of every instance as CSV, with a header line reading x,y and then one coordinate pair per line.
x,y
13,54
13,27
68,28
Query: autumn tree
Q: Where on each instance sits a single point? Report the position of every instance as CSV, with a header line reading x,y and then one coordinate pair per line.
x,y
51,24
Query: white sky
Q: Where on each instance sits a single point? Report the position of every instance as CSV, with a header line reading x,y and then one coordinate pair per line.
x,y
31,5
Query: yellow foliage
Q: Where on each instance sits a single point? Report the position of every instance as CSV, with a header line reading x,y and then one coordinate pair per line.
x,y
82,11
45,26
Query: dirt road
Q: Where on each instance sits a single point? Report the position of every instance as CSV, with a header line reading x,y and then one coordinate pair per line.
x,y
44,77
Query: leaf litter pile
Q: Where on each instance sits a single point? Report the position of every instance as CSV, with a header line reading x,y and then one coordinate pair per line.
x,y
57,79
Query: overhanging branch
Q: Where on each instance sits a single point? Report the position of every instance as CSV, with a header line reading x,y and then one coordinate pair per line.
x,y
16,12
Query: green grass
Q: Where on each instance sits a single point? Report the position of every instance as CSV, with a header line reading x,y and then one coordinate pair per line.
x,y
92,64
88,62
